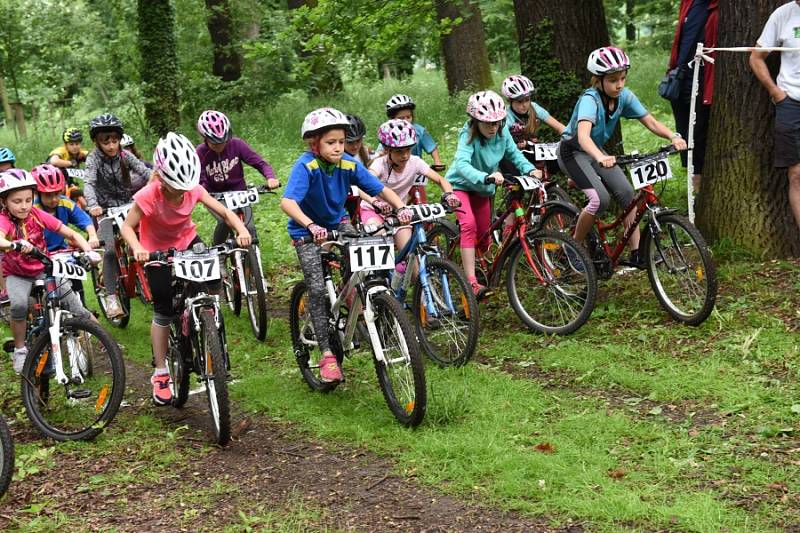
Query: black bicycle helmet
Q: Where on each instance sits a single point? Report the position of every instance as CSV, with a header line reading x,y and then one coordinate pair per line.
x,y
103,123
72,135
356,130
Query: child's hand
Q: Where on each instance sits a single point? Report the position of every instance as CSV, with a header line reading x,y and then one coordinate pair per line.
x,y
382,206
451,199
96,211
497,177
244,239
93,256
140,254
94,242
536,173
272,183
679,143
23,246
319,233
404,215
607,161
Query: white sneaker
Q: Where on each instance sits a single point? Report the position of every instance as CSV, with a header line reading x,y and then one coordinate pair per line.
x,y
18,358
113,309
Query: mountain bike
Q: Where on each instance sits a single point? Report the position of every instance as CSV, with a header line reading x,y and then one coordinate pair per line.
x,y
197,342
74,377
679,264
6,456
444,307
550,280
362,295
131,279
243,268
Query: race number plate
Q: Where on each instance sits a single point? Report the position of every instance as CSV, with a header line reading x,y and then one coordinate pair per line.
x,y
421,180
353,190
197,267
371,253
65,268
240,199
650,171
426,212
545,151
78,173
119,213
529,183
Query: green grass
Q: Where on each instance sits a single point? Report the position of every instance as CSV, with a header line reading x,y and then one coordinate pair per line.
x,y
654,425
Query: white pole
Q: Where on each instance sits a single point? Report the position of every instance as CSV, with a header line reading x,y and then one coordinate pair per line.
x,y
698,60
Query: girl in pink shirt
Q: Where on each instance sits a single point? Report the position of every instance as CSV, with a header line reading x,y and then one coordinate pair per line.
x,y
23,224
163,212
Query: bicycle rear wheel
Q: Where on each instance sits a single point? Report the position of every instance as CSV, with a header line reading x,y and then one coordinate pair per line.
x,y
256,296
304,340
6,456
444,236
101,294
446,314
82,408
401,374
231,286
178,365
680,269
551,282
215,377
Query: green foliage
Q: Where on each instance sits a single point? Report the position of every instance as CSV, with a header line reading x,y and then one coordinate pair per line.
x,y
654,20
501,31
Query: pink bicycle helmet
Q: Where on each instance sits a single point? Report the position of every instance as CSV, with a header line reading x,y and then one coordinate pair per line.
x,y
396,133
48,178
607,60
15,178
214,126
517,86
486,106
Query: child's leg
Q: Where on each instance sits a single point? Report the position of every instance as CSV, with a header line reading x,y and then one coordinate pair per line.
x,y
311,265
19,289
160,280
110,264
616,181
482,209
469,229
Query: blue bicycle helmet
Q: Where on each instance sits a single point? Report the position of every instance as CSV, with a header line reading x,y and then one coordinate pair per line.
x,y
7,156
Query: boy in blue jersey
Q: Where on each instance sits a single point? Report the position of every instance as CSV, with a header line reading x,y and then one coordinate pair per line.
x,y
314,200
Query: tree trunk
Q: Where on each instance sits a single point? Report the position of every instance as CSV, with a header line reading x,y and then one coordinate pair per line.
x,y
743,197
630,28
159,67
466,59
555,38
324,74
227,59
6,107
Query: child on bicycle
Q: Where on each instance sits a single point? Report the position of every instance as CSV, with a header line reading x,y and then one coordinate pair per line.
x,y
580,152
7,159
70,154
112,176
397,169
23,224
354,140
129,145
402,106
314,200
221,156
162,211
483,142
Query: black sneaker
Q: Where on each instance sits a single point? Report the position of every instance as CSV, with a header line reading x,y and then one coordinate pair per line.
x,y
637,260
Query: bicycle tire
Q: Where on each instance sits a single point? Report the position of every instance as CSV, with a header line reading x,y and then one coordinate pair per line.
x,y
215,376
444,237
555,192
405,372
140,291
45,404
563,218
669,258
457,346
303,335
557,278
178,365
6,456
256,296
100,293
231,287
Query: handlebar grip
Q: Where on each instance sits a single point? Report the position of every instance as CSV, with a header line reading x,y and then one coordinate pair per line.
x,y
489,180
333,235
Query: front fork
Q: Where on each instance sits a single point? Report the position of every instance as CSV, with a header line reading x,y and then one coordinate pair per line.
x,y
55,350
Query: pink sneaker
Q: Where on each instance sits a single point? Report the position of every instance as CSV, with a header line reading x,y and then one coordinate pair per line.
x,y
162,394
329,370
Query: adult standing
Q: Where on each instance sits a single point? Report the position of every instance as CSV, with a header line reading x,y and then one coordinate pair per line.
x,y
783,30
697,23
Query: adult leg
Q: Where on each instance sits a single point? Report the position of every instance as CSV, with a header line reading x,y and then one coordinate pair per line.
x,y
794,191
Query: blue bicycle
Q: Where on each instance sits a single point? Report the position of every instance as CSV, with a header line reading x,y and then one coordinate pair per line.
x,y
444,307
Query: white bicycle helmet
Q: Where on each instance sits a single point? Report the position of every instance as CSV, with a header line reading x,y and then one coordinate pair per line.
x,y
396,133
321,119
486,106
607,60
126,140
15,178
398,102
517,86
177,162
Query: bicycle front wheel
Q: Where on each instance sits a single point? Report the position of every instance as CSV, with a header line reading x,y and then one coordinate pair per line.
x,y
256,296
445,313
178,365
401,373
231,286
6,457
92,361
215,377
551,283
680,269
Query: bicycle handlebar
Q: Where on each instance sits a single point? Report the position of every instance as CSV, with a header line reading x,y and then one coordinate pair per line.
x,y
629,159
260,189
227,247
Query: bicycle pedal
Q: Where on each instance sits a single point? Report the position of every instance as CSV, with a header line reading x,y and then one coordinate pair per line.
x,y
80,394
